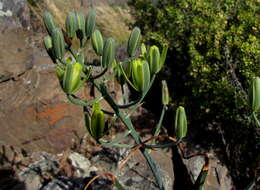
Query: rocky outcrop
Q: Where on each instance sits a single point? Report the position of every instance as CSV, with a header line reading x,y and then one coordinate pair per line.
x,y
14,13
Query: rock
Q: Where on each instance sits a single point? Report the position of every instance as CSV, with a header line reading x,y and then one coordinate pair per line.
x,y
81,164
64,183
135,174
14,13
15,60
218,176
33,175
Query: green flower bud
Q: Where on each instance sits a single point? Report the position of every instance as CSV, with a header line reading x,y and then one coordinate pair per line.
x,y
72,77
140,74
165,93
71,25
180,123
163,56
143,50
154,59
48,22
96,123
254,94
133,41
59,73
108,54
91,22
49,47
97,42
80,25
58,43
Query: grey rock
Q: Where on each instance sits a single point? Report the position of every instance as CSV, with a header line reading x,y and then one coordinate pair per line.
x,y
32,176
81,164
135,174
63,183
46,165
218,177
14,13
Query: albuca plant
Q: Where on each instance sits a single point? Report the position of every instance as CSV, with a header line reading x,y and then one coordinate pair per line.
x,y
138,71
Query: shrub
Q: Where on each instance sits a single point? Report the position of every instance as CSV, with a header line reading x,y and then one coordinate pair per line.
x,y
213,54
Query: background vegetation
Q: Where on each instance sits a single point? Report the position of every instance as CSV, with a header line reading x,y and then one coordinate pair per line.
x,y
214,51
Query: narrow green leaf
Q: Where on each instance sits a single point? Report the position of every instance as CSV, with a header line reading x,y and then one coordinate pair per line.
x,y
163,56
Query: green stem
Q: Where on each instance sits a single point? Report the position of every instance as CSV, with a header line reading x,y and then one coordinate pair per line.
x,y
105,143
125,106
73,53
123,93
256,120
163,145
118,185
159,124
142,97
129,125
100,74
76,100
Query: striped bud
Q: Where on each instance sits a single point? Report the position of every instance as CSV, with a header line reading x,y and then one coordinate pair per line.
x,y
140,74
163,56
108,54
154,59
91,22
96,123
254,94
180,123
48,22
97,42
80,25
58,43
72,77
165,93
71,24
49,47
133,42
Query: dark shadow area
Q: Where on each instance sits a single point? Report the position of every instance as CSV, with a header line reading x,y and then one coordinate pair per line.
x,y
9,180
233,142
182,178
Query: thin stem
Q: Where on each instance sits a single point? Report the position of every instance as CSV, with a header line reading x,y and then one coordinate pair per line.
x,y
159,124
157,174
108,112
105,143
125,106
256,120
123,93
76,100
100,74
142,97
73,53
163,145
